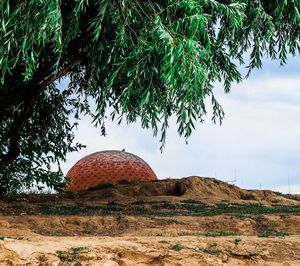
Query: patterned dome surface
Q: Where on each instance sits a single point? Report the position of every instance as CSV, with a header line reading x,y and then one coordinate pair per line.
x,y
108,167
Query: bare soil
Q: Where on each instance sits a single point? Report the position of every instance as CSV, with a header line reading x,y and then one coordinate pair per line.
x,y
189,221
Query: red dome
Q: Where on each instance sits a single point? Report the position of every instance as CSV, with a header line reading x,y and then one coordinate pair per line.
x,y
108,167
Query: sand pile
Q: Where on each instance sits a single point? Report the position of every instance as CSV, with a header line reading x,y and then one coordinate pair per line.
x,y
194,187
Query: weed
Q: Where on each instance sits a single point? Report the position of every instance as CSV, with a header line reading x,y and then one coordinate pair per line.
x,y
220,233
120,216
208,251
267,228
60,210
273,234
89,229
19,206
177,247
71,255
110,209
165,205
191,201
162,209
259,218
280,233
42,258
237,240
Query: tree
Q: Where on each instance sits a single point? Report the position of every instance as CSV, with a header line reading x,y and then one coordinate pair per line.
x,y
146,59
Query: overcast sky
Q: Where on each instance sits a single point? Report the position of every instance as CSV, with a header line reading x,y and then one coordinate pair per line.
x,y
258,142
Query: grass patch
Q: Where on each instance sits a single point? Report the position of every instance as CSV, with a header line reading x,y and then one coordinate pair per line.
x,y
61,210
237,240
89,229
155,209
208,251
71,256
219,233
177,247
120,216
267,228
269,233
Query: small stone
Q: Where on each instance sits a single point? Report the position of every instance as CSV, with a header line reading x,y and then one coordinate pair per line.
x,y
55,263
225,258
265,255
110,263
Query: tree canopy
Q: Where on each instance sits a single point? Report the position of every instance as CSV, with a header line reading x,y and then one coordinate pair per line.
x,y
141,59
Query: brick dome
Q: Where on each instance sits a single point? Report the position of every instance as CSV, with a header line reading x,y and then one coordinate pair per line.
x,y
108,167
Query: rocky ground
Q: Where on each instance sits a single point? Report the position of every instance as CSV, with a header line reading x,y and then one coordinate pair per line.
x,y
191,221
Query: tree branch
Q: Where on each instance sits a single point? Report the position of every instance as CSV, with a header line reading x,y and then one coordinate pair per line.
x,y
14,132
33,89
63,72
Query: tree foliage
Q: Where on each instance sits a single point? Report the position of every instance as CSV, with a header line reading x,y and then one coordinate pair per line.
x,y
146,59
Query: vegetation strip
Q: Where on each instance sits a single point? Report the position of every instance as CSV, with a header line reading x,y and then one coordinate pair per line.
x,y
150,209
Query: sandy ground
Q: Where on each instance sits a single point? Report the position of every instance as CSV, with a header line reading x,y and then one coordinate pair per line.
x,y
194,221
133,250
157,241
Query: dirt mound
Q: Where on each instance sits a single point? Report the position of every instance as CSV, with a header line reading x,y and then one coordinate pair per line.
x,y
194,187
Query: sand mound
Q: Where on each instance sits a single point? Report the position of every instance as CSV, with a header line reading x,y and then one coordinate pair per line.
x,y
194,187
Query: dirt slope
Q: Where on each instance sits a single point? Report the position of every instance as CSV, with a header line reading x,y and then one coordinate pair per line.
x,y
194,187
190,221
209,190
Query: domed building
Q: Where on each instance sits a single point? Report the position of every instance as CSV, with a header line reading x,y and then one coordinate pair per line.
x,y
109,166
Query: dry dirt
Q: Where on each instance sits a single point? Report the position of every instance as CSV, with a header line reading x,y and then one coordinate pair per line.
x,y
191,221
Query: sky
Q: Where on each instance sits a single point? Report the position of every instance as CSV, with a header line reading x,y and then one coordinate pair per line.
x,y
257,146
